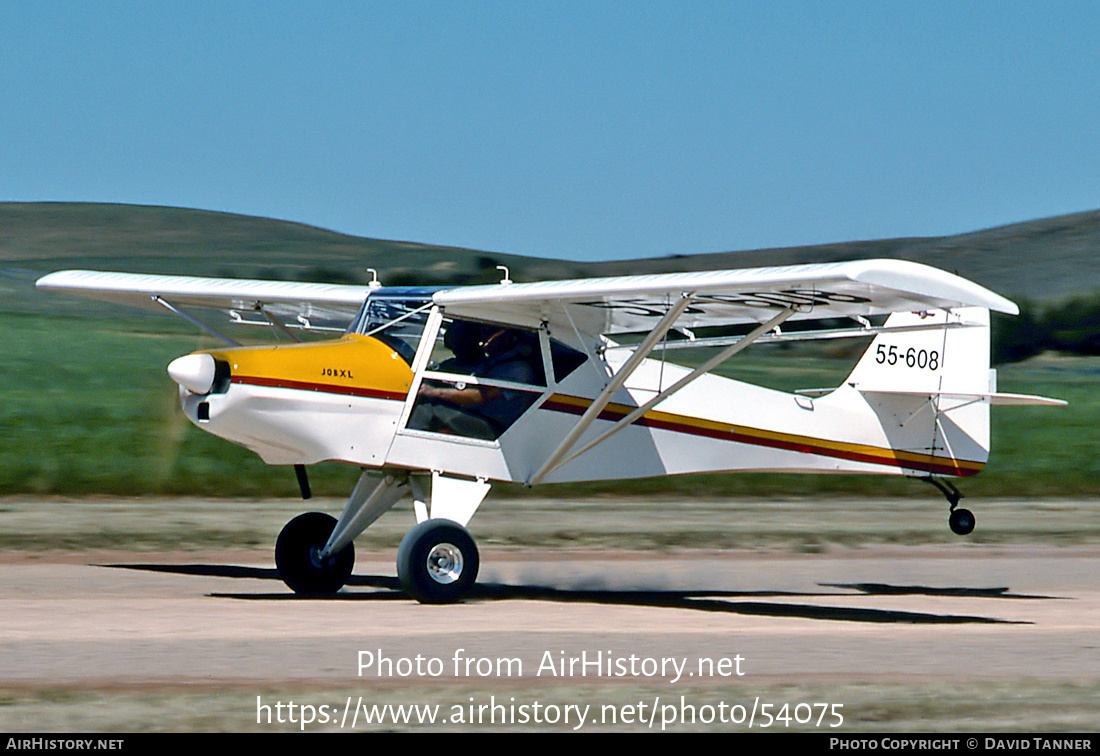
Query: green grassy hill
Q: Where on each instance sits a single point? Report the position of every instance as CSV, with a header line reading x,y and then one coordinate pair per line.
x,y
1039,259
48,236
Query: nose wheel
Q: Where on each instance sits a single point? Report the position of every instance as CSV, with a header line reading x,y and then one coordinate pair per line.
x,y
437,562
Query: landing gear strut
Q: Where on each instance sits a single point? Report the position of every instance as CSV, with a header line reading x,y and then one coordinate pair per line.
x,y
437,561
960,520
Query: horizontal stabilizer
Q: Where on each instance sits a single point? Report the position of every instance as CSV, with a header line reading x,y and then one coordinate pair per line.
x,y
999,399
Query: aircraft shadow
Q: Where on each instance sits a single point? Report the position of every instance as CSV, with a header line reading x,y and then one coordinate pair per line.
x,y
883,589
717,601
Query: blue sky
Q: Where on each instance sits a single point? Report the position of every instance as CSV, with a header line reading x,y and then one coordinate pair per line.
x,y
585,130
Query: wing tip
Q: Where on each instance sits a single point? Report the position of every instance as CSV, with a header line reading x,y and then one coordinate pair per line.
x,y
968,293
54,280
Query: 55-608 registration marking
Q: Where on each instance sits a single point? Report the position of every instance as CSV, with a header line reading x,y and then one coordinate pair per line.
x,y
891,354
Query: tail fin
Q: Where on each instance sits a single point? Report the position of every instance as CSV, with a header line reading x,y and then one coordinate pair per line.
x,y
950,358
931,386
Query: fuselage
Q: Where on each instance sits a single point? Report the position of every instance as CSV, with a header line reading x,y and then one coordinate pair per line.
x,y
350,400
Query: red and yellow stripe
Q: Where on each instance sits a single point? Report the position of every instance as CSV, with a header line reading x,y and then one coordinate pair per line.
x,y
696,426
362,366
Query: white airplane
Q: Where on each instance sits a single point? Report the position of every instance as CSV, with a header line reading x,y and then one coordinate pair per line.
x,y
436,392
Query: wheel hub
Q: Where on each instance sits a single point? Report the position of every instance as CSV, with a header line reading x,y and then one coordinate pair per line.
x,y
445,563
315,559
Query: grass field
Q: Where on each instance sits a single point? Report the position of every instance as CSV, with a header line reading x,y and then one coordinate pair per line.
x,y
89,409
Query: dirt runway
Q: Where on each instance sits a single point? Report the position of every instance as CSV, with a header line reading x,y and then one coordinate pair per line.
x,y
967,613
568,622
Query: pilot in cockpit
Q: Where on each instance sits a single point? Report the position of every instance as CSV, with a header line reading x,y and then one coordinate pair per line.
x,y
478,411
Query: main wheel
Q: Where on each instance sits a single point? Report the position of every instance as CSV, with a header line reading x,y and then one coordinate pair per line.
x,y
437,562
297,560
961,521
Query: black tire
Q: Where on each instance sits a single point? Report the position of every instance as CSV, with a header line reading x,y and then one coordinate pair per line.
x,y
296,556
961,521
437,562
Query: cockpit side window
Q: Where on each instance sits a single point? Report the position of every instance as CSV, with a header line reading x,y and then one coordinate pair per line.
x,y
491,351
565,359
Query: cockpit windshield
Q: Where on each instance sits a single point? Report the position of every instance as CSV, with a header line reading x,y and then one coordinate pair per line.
x,y
395,317
398,317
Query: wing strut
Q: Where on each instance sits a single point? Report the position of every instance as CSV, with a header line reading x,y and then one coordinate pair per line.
x,y
275,322
555,460
706,367
194,321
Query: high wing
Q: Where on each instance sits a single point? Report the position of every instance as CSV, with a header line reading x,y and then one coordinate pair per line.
x,y
592,306
304,305
625,304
